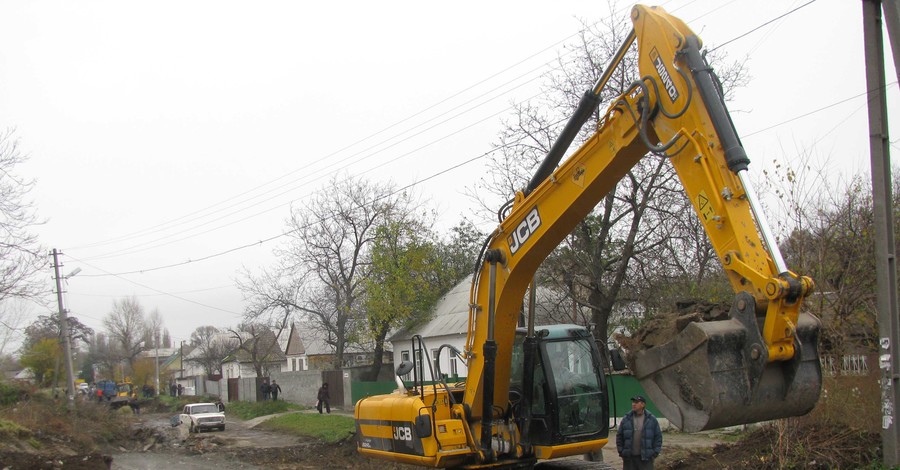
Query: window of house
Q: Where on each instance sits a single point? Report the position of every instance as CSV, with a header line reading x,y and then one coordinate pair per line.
x,y
454,371
304,363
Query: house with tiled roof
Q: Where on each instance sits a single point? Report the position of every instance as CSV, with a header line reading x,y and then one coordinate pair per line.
x,y
240,363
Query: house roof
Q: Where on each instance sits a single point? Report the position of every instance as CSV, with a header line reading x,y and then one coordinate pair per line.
x,y
242,355
450,315
295,345
305,340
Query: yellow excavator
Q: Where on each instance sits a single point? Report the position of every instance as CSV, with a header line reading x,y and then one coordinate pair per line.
x,y
539,392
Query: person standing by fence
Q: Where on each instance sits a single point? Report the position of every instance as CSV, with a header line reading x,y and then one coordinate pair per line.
x,y
323,398
275,389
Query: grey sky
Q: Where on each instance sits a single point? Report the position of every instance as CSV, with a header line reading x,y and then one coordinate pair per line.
x,y
162,132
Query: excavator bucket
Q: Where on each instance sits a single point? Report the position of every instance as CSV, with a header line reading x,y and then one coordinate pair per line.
x,y
716,374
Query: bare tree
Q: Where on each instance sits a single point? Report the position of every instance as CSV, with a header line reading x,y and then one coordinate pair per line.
x,y
153,330
836,247
126,327
21,259
211,347
257,344
322,267
12,319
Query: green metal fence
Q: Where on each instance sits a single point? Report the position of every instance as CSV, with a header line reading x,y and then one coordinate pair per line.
x,y
621,388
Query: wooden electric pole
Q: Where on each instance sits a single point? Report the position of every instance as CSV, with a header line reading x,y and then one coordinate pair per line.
x,y
65,334
882,199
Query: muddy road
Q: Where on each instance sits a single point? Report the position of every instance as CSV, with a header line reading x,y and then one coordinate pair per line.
x,y
244,445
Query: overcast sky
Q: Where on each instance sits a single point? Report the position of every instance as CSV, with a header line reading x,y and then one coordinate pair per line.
x,y
163,132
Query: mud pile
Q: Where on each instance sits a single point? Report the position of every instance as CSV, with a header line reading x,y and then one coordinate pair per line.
x,y
663,327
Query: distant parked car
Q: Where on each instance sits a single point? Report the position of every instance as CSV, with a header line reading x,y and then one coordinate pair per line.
x,y
83,388
200,416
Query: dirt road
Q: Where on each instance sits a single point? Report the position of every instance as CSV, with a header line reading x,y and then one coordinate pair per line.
x,y
165,446
245,446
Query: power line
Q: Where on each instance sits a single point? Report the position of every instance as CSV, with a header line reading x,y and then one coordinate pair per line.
x,y
154,289
435,175
763,25
143,247
305,168
810,113
170,224
271,238
274,237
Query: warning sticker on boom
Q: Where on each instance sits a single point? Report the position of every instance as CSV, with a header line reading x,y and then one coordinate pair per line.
x,y
704,207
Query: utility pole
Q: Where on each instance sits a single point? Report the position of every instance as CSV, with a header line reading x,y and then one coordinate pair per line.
x,y
156,361
66,335
885,251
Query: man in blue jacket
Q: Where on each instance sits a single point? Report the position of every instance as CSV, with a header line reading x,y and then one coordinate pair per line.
x,y
639,438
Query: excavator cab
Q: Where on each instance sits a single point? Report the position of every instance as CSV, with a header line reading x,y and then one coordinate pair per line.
x,y
568,400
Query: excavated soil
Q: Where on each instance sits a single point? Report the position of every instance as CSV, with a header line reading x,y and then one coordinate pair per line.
x,y
664,327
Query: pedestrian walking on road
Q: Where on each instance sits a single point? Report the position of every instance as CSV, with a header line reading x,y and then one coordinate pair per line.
x,y
323,399
264,390
639,438
275,389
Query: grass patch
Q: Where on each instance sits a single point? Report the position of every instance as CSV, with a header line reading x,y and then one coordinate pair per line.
x,y
11,430
327,427
254,409
39,421
11,393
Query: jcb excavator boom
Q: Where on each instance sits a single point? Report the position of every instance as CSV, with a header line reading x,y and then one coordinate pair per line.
x,y
760,364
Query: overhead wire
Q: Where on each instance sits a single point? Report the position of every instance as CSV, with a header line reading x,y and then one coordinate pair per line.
x,y
143,247
747,33
286,233
305,168
168,294
163,226
451,168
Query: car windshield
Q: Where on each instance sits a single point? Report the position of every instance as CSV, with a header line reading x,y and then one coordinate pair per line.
x,y
204,409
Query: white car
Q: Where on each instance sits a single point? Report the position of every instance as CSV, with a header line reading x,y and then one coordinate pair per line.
x,y
200,416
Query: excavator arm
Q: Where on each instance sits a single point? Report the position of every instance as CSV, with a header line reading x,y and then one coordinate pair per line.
x,y
759,364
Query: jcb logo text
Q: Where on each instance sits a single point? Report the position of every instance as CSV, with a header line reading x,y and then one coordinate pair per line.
x,y
664,75
402,433
524,231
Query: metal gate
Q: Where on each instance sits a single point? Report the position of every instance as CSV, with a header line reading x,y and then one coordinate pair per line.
x,y
335,381
233,387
